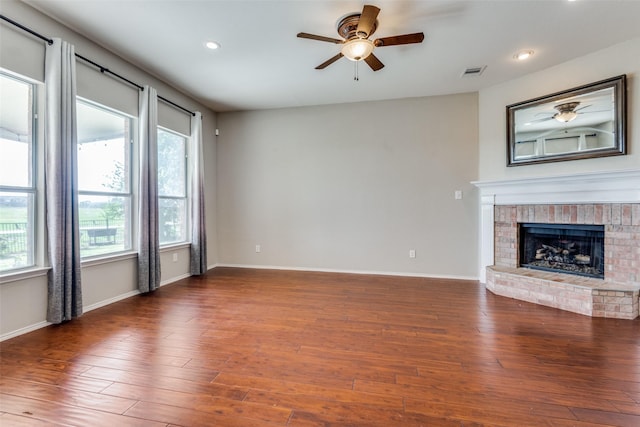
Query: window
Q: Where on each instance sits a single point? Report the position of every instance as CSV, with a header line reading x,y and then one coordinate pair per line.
x,y
104,179
17,173
172,186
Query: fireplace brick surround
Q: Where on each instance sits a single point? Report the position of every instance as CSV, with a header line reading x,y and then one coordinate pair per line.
x,y
615,296
611,199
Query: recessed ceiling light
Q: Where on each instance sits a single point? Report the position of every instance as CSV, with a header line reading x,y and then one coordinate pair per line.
x,y
212,45
523,54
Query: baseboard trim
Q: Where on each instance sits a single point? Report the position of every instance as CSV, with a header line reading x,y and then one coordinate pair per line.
x,y
110,301
330,270
86,309
175,279
24,330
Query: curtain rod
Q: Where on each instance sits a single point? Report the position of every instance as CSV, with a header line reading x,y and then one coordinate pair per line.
x,y
95,64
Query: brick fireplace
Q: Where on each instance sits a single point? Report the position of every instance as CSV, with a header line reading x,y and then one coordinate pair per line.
x,y
610,200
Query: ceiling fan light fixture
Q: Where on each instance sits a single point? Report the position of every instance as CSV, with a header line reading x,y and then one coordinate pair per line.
x,y
357,49
565,116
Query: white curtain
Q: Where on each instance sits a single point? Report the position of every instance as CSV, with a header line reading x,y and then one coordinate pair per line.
x,y
61,183
198,227
148,228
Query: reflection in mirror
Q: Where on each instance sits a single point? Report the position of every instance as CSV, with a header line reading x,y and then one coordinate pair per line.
x,y
579,123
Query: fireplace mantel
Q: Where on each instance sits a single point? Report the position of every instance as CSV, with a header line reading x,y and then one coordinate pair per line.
x,y
595,187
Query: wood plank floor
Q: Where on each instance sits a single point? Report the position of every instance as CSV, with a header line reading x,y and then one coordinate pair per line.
x,y
242,347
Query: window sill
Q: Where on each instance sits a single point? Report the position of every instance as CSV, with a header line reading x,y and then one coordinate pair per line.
x,y
108,259
30,273
174,246
18,275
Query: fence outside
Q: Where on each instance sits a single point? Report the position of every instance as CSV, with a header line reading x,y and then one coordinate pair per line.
x,y
97,236
14,236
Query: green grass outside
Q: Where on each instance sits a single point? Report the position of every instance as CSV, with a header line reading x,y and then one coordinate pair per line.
x,y
13,214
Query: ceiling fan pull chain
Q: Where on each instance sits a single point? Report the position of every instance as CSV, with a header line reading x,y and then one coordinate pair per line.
x,y
355,71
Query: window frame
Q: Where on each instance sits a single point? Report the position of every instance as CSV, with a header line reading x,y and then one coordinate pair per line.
x,y
35,219
130,193
187,195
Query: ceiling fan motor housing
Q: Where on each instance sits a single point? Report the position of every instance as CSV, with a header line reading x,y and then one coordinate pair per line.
x,y
347,27
567,107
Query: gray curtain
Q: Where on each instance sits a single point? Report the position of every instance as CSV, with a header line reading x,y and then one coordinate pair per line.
x,y
198,227
148,228
61,183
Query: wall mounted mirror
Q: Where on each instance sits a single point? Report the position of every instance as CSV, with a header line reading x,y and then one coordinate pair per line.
x,y
583,122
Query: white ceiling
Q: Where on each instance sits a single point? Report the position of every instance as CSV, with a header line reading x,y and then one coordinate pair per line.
x,y
262,64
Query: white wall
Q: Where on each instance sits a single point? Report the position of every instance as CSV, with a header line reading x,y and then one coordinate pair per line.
x,y
23,302
620,59
351,187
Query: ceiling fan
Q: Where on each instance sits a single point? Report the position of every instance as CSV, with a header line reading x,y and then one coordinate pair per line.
x,y
355,30
567,112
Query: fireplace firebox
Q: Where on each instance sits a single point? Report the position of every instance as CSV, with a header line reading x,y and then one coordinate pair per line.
x,y
563,248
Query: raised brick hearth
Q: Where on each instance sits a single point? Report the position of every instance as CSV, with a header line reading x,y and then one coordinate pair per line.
x,y
506,205
591,297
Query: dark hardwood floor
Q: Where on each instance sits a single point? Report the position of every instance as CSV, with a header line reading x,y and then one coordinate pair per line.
x,y
280,348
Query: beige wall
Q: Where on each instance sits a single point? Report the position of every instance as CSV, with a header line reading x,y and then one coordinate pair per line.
x,y
620,59
23,302
351,187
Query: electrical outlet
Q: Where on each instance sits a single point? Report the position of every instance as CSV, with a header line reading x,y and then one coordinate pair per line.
x,y
412,253
258,249
175,257
458,194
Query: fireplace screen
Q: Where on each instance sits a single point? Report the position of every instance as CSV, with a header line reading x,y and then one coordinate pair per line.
x,y
574,249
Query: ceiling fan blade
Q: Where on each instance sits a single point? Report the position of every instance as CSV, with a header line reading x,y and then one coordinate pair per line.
x,y
373,62
397,40
320,38
329,61
367,20
581,108
542,120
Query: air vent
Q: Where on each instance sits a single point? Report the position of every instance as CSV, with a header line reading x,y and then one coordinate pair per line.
x,y
473,71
